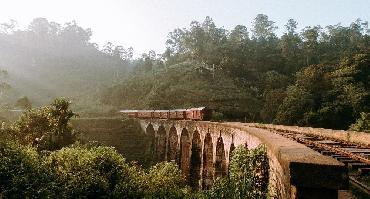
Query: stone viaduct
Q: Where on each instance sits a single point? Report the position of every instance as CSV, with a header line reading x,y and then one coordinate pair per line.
x,y
203,149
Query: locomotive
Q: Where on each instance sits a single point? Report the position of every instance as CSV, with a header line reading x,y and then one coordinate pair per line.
x,y
200,113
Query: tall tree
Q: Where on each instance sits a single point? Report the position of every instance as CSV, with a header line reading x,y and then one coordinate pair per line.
x,y
266,54
290,47
263,28
310,44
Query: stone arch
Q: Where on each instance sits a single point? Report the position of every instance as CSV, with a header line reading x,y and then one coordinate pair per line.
x,y
161,144
184,152
195,160
220,163
207,173
172,144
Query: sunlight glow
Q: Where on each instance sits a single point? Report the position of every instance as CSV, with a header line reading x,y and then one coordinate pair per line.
x,y
144,24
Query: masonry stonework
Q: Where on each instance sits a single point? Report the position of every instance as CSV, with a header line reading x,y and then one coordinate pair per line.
x,y
203,150
204,154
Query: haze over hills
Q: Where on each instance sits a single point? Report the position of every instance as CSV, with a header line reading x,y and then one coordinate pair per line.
x,y
49,60
246,73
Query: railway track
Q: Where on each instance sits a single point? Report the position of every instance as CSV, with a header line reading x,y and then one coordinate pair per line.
x,y
355,156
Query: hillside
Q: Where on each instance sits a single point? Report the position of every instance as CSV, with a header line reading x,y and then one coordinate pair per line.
x,y
48,60
183,86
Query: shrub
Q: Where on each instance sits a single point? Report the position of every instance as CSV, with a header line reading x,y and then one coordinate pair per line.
x,y
362,124
217,116
164,180
91,172
22,175
248,175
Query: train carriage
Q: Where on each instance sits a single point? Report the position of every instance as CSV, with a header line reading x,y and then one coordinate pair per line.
x,y
201,113
147,114
161,114
177,114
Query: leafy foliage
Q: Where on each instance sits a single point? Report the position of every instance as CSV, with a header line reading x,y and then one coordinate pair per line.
x,y
22,174
164,180
362,124
47,127
83,171
91,172
248,175
245,73
314,77
328,96
182,86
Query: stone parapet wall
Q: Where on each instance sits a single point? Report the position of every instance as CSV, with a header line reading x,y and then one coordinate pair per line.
x,y
349,136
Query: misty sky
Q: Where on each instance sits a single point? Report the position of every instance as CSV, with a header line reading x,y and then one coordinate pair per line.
x,y
144,24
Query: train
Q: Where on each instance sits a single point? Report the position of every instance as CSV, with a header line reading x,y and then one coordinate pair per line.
x,y
199,114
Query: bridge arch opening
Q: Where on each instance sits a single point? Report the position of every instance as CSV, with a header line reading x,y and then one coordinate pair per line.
x,y
195,160
232,148
220,164
172,144
151,147
207,173
161,143
184,153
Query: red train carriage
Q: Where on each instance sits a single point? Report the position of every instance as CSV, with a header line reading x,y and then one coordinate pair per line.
x,y
161,114
147,114
201,113
177,114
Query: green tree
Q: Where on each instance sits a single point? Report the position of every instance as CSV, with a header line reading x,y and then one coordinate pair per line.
x,y
47,127
266,53
296,104
263,28
311,44
290,43
362,124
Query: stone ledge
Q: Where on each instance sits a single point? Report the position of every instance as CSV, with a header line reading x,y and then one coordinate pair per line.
x,y
348,136
307,168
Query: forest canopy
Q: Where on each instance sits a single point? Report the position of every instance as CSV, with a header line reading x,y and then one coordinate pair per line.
x,y
311,77
317,76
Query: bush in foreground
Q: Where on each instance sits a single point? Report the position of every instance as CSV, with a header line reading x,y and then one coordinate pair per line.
x,y
248,176
22,174
82,171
